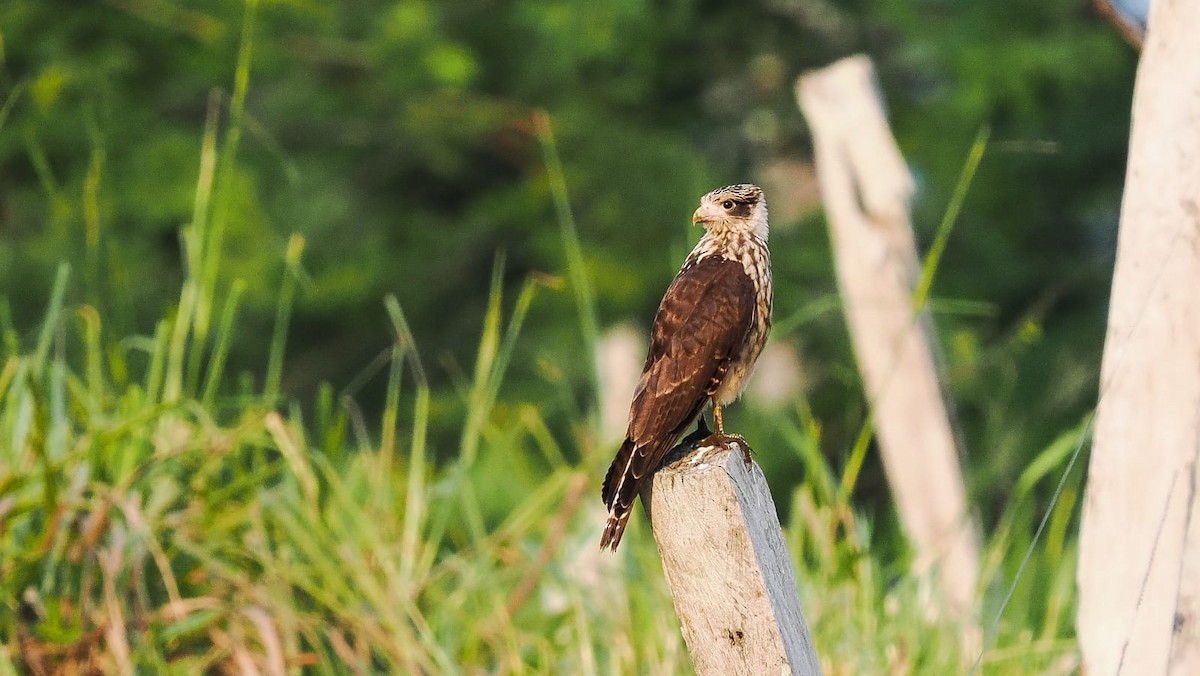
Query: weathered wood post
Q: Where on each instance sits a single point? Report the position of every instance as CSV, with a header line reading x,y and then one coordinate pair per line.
x,y
1139,551
866,186
728,567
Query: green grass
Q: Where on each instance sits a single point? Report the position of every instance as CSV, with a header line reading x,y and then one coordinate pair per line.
x,y
144,528
157,515
153,518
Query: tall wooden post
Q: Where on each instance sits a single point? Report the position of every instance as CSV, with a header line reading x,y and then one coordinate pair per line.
x,y
1139,553
865,185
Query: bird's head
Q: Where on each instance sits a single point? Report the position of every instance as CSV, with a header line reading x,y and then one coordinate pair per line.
x,y
734,208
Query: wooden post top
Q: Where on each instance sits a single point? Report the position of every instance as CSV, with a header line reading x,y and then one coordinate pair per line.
x,y
728,566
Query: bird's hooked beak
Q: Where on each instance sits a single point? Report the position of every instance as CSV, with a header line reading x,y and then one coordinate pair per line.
x,y
707,213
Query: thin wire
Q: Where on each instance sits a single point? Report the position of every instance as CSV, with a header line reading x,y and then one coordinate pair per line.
x,y
1062,482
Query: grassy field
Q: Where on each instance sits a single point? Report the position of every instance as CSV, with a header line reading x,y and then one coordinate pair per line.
x,y
157,514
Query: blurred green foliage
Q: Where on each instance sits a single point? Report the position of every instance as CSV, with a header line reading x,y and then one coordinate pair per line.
x,y
398,138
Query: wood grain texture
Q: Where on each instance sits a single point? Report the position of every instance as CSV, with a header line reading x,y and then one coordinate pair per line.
x,y
728,566
866,185
1139,551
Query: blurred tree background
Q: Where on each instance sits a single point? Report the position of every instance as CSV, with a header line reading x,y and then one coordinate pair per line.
x,y
399,139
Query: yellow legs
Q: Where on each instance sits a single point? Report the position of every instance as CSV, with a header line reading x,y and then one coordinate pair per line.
x,y
719,438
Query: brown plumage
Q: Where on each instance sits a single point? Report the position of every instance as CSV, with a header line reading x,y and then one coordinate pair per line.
x,y
709,330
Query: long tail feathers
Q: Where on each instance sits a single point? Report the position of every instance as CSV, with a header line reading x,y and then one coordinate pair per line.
x,y
615,528
620,490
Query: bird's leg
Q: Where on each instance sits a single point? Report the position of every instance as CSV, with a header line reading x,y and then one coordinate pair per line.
x,y
719,438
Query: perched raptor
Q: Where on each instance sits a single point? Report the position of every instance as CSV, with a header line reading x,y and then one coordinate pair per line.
x,y
709,330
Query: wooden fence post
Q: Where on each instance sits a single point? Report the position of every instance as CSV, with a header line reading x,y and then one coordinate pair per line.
x,y
866,186
728,567
1139,550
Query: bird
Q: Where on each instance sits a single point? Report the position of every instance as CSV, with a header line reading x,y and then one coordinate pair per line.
x,y
708,332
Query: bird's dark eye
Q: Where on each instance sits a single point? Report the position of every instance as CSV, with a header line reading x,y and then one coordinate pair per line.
x,y
727,205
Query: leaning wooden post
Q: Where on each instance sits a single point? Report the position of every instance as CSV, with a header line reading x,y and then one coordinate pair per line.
x,y
728,567
866,186
1139,548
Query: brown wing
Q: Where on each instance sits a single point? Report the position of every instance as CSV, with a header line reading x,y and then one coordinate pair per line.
x,y
703,321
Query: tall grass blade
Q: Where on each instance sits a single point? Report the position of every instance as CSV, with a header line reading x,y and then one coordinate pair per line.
x,y
949,217
59,423
211,236
53,313
180,330
94,354
807,313
391,412
220,353
415,495
295,455
535,424
576,267
478,407
228,154
194,253
858,455
196,232
157,358
283,315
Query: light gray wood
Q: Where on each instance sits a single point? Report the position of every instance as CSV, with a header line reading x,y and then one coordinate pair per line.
x,y
728,566
866,186
1139,552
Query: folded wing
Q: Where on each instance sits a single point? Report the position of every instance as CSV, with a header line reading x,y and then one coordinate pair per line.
x,y
702,325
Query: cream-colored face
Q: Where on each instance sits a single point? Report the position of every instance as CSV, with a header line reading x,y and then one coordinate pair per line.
x,y
734,208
